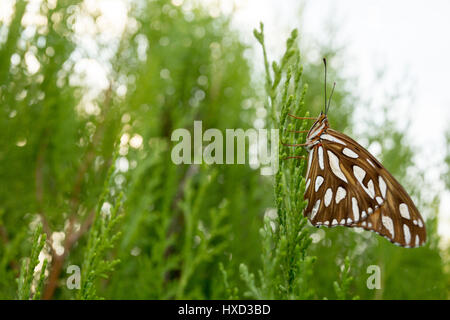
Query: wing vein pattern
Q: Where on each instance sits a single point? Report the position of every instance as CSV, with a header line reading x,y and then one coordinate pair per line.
x,y
348,186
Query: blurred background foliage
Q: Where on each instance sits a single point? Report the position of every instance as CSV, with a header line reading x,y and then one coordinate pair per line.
x,y
88,163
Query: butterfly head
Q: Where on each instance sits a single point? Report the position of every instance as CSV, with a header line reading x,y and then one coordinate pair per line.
x,y
321,124
317,129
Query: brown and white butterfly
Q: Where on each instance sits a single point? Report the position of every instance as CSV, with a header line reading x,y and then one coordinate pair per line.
x,y
347,186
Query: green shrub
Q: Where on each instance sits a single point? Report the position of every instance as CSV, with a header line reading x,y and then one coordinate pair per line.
x,y
87,178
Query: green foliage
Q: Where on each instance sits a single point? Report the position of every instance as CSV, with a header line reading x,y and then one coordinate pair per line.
x,y
343,288
101,239
286,265
27,276
177,228
201,245
190,231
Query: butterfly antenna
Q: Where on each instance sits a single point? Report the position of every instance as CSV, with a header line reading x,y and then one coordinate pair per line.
x,y
325,64
329,100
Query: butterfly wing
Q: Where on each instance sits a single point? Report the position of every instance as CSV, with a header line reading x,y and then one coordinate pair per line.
x,y
334,193
347,186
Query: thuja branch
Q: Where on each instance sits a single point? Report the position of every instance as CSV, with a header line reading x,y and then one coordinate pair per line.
x,y
72,236
101,238
27,271
286,265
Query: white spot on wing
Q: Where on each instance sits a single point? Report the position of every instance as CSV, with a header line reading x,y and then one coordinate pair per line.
x,y
388,224
315,209
328,137
321,158
417,240
382,185
350,153
355,209
359,173
334,164
407,233
334,222
371,163
307,184
340,194
311,153
319,181
328,197
379,200
404,212
371,188
420,223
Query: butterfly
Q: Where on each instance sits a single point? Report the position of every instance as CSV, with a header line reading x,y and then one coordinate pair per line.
x,y
348,186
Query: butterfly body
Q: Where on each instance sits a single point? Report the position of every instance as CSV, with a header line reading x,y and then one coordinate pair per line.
x,y
347,186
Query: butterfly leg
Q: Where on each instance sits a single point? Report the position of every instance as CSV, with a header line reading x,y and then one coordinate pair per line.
x,y
295,145
295,157
301,118
299,131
